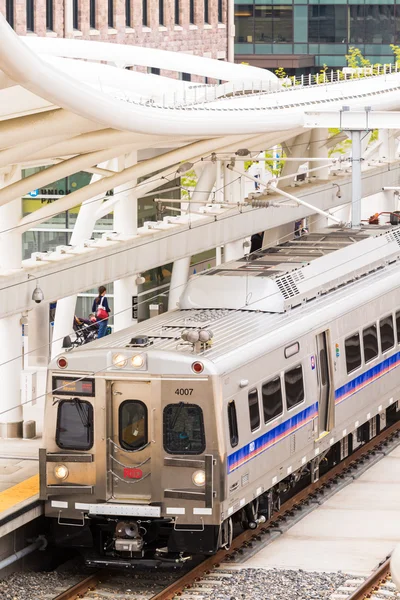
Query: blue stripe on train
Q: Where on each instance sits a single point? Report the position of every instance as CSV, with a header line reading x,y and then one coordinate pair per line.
x,y
270,438
265,441
369,376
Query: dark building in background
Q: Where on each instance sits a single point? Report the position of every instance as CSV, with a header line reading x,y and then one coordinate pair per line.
x,y
302,36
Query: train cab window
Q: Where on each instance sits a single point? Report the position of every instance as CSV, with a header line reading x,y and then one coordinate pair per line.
x,y
370,340
387,333
254,410
353,352
294,386
398,326
132,425
272,399
74,425
184,429
232,424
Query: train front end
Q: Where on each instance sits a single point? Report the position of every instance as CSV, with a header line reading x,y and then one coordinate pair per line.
x,y
130,469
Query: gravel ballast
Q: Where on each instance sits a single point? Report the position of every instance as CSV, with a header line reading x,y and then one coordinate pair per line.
x,y
243,584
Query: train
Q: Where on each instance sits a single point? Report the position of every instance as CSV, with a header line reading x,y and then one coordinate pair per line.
x,y
163,438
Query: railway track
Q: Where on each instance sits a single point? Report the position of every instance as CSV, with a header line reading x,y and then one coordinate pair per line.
x,y
195,580
377,586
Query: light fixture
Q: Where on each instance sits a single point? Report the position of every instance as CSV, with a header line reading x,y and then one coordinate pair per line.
x,y
37,295
184,167
61,471
119,360
137,361
199,478
140,280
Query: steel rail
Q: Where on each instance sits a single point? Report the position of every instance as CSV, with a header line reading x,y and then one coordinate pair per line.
x,y
249,536
372,583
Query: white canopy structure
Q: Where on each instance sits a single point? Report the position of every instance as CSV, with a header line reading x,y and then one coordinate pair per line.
x,y
76,105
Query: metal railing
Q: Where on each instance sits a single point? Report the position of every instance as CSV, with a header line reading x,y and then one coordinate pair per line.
x,y
199,95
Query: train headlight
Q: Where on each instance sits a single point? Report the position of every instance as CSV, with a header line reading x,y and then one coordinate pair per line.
x,y
119,360
199,478
61,472
137,361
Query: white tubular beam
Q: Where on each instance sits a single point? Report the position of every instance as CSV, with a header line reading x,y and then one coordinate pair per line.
x,y
356,179
203,187
180,269
24,129
147,166
63,169
10,374
307,205
84,268
83,230
179,277
10,327
353,119
287,195
319,150
125,222
18,153
39,335
233,250
298,146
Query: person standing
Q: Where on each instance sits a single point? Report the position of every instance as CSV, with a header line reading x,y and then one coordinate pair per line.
x,y
101,310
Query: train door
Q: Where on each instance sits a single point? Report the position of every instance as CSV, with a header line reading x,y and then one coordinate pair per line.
x,y
130,441
325,387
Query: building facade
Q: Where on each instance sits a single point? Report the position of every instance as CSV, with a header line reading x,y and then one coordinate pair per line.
x,y
304,35
195,26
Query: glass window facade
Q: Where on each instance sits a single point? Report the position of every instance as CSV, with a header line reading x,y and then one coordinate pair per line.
x,y
322,29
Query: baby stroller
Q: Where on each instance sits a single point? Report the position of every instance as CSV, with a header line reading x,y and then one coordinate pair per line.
x,y
85,331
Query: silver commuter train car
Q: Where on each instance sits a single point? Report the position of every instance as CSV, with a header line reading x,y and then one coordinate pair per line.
x,y
160,437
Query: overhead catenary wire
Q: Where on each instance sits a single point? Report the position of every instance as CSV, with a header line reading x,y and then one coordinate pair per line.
x,y
244,306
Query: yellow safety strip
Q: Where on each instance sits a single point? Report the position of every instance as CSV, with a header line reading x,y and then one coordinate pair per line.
x,y
18,493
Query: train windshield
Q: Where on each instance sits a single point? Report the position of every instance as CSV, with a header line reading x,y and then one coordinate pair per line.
x,y
74,425
184,429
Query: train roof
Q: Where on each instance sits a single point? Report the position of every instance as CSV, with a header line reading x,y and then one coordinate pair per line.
x,y
278,278
228,325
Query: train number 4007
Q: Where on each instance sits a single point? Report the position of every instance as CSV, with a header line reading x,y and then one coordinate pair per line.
x,y
184,391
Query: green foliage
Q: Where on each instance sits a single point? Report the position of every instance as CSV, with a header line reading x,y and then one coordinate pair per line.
x,y
188,180
280,73
396,51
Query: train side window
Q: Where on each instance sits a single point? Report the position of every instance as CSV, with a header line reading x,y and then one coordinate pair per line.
x,y
294,386
132,425
370,340
353,352
232,424
74,425
184,429
272,399
387,333
398,326
254,409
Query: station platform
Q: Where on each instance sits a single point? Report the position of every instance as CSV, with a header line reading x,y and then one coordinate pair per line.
x,y
350,532
19,482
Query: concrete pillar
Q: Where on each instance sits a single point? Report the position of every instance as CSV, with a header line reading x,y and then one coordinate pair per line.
x,y
39,335
203,187
318,149
387,150
180,269
11,415
83,230
233,250
356,179
278,235
298,147
179,277
125,222
218,255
